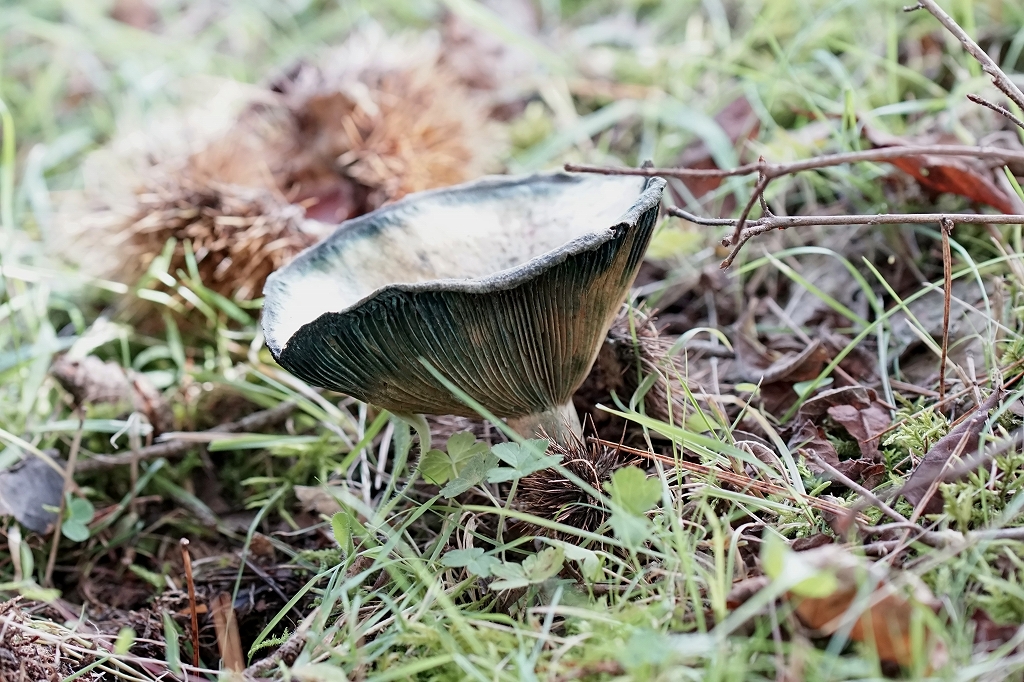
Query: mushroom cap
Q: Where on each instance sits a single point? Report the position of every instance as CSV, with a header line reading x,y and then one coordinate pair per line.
x,y
506,285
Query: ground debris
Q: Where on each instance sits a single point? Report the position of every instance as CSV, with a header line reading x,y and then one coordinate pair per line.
x,y
91,381
29,651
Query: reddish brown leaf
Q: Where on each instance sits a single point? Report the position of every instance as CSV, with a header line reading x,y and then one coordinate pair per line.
x,y
885,621
947,174
866,425
856,396
811,438
139,14
950,175
812,542
990,635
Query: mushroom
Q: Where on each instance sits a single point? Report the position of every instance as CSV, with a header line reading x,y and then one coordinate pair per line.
x,y
505,286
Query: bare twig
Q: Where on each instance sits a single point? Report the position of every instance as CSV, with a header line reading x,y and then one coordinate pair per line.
x,y
69,480
175,448
744,229
744,482
775,170
859,489
762,225
999,77
1002,111
942,538
187,560
947,272
758,194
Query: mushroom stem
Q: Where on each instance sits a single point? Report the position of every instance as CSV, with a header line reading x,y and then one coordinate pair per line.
x,y
560,423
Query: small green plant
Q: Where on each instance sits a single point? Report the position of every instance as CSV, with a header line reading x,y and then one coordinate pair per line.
x,y
78,514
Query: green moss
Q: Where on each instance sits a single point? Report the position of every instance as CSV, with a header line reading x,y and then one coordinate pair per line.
x,y
919,429
983,496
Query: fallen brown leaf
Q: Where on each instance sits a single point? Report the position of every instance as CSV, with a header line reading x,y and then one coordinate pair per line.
x,y
775,371
743,590
864,471
865,424
812,438
91,381
945,174
962,439
855,408
317,499
816,407
883,620
811,542
989,635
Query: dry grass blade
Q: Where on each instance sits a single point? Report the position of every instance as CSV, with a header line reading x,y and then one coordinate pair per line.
x,y
739,480
228,641
176,448
186,559
946,226
68,483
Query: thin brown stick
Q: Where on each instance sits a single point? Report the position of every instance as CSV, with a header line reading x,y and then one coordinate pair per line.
x,y
187,560
176,448
767,224
729,477
947,294
943,538
857,488
775,170
757,194
1002,111
69,477
988,65
775,222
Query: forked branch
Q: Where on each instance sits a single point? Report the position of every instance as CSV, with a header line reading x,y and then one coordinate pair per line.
x,y
988,65
773,222
744,230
